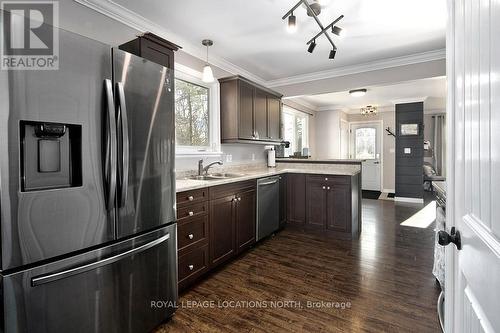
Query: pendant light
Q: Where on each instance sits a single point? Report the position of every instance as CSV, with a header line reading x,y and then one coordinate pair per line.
x,y
208,75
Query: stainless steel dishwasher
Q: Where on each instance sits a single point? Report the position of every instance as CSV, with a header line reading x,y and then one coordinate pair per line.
x,y
268,206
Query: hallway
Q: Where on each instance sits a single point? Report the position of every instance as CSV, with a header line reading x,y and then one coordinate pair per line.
x,y
379,283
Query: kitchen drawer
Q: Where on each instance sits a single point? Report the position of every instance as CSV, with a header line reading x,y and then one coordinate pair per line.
x,y
330,179
192,265
187,212
187,197
221,191
192,232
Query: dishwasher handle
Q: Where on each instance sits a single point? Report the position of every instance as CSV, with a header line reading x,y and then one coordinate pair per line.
x,y
269,183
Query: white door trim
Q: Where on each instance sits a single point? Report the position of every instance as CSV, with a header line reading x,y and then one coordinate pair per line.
x,y
381,127
450,253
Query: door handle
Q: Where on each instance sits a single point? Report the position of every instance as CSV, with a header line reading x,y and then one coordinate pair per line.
x,y
376,162
445,238
111,146
39,280
123,167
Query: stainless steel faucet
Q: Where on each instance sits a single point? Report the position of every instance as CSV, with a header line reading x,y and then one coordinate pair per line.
x,y
204,170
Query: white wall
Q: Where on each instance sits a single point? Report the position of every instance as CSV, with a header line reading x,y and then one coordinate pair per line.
x,y
327,133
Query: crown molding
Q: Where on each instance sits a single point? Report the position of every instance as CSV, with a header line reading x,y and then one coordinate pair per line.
x,y
409,100
302,102
364,67
125,16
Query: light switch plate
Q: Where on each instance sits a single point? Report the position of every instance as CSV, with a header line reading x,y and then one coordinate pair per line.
x,y
407,150
229,158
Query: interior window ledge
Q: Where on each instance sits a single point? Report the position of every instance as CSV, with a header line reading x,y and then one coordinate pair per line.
x,y
188,154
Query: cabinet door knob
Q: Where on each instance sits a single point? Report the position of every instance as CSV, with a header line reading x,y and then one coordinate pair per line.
x,y
328,188
324,187
191,267
326,178
191,213
239,199
190,236
190,198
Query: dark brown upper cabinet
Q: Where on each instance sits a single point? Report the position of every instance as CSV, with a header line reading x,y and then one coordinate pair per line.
x,y
249,112
153,48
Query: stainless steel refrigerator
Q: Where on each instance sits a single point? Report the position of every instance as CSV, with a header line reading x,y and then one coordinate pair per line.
x,y
88,233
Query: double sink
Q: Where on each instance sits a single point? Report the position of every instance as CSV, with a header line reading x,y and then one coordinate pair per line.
x,y
216,176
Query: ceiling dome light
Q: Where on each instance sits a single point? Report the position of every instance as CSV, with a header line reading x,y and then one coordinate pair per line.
x,y
338,31
311,47
208,75
292,24
357,92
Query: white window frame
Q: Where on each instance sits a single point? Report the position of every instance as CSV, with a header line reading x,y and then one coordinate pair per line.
x,y
214,149
291,111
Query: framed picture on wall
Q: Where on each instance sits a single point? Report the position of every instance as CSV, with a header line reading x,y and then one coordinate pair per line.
x,y
409,129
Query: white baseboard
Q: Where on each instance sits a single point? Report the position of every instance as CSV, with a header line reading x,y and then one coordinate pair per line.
x,y
405,199
389,190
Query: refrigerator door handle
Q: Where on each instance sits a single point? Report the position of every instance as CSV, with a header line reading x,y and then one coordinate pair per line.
x,y
111,146
123,167
46,278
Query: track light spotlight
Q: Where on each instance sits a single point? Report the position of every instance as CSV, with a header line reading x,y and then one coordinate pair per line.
x,y
337,31
311,46
332,54
292,23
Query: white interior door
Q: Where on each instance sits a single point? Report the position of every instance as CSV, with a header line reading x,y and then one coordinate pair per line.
x,y
472,297
366,145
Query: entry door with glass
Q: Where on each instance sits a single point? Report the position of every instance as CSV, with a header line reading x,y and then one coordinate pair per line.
x,y
366,145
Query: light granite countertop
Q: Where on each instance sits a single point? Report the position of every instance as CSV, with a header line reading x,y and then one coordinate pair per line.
x,y
185,184
320,161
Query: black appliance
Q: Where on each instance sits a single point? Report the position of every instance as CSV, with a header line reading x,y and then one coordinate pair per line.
x,y
88,231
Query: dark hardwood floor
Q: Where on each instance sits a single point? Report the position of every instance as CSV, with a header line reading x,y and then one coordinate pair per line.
x,y
385,275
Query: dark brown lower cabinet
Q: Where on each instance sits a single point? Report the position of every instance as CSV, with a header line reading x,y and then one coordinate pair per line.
x,y
338,213
332,204
296,198
232,220
222,229
245,220
316,202
283,200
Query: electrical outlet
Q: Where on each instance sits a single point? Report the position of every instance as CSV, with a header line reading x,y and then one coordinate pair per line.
x,y
253,157
229,158
407,150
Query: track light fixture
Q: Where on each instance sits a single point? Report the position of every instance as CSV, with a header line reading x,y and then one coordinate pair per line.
x,y
311,47
292,25
338,31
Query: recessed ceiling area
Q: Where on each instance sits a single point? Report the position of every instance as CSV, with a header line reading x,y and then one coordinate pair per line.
x,y
432,89
252,35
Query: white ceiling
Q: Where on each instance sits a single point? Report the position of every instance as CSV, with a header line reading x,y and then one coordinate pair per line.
x,y
252,36
433,89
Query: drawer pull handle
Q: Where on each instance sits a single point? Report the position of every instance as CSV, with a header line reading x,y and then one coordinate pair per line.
x,y
191,267
190,198
190,236
191,213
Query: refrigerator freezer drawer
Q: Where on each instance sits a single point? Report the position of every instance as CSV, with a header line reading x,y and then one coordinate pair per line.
x,y
111,289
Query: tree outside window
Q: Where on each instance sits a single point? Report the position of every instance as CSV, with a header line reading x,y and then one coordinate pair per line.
x,y
191,114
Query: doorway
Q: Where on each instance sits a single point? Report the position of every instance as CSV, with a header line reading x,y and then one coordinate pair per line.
x,y
366,144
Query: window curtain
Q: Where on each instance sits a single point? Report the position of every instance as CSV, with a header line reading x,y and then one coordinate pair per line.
x,y
439,147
